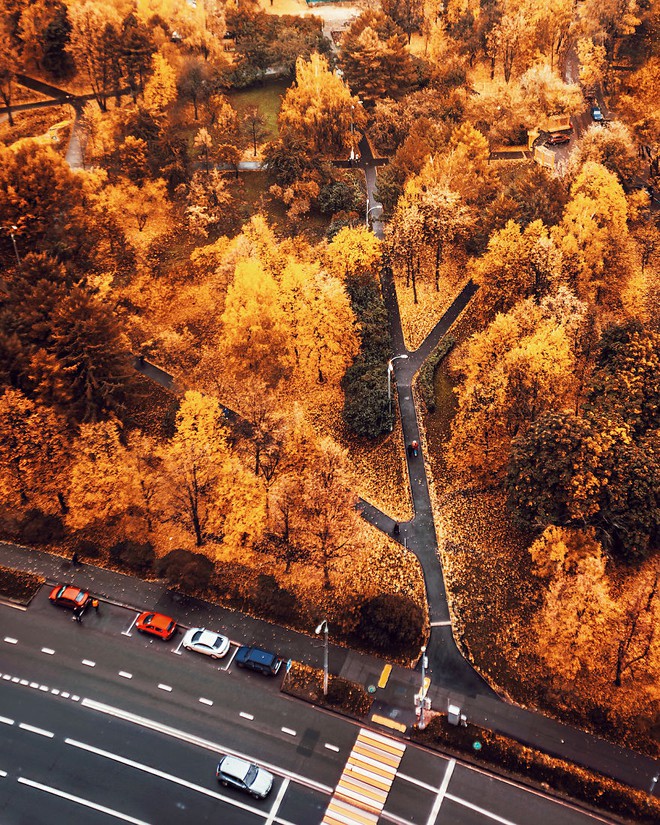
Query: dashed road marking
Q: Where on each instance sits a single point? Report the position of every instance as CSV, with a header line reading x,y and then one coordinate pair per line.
x,y
48,650
6,721
205,701
11,641
289,731
125,675
246,715
39,731
88,663
165,687
333,748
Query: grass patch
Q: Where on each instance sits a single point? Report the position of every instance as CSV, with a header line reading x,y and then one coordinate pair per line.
x,y
517,760
267,98
18,586
306,683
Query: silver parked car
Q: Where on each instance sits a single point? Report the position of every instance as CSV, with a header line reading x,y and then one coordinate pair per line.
x,y
244,775
207,642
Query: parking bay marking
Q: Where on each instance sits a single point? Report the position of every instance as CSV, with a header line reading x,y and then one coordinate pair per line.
x,y
128,632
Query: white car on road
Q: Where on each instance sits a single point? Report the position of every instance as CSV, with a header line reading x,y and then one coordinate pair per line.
x,y
207,642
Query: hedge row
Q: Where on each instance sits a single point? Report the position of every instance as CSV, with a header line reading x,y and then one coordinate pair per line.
x,y
426,380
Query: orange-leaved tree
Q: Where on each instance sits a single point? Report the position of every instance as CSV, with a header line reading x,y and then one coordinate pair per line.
x,y
33,451
320,109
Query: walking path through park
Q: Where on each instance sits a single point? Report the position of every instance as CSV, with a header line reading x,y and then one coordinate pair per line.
x,y
453,679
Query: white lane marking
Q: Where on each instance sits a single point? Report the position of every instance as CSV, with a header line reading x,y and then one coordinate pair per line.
x,y
162,775
276,805
44,688
165,687
6,721
34,685
231,659
440,624
86,802
150,724
88,663
6,676
128,632
74,698
15,606
416,782
3,773
24,682
55,691
48,650
435,810
65,695
40,731
125,675
11,641
479,810
289,731
205,701
331,747
246,715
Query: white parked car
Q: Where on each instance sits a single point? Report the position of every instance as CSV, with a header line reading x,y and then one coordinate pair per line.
x,y
244,775
206,642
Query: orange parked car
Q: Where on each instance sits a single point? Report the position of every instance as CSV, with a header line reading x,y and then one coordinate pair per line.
x,y
156,624
66,595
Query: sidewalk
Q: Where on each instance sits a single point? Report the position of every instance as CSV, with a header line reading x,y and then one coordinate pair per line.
x,y
394,702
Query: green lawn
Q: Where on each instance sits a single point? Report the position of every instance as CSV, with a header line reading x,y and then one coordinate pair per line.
x,y
267,99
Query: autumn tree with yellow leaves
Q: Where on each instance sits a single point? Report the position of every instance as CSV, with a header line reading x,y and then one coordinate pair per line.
x,y
321,109
204,485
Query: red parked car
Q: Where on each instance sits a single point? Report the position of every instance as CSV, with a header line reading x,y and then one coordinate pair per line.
x,y
557,139
155,624
66,595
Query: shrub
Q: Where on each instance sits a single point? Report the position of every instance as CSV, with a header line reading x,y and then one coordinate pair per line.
x,y
366,406
393,624
275,602
427,372
38,527
185,569
87,549
136,557
339,196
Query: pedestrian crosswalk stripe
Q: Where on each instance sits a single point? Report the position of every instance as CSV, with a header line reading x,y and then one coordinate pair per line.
x,y
365,783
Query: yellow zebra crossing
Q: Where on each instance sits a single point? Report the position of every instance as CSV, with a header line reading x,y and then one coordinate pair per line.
x,y
362,790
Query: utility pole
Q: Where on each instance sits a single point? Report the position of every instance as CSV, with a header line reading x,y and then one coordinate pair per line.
x,y
323,628
13,229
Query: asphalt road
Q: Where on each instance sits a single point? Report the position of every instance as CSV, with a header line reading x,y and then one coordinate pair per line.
x,y
97,725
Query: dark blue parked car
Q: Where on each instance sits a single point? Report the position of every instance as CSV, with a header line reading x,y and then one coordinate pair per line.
x,y
260,660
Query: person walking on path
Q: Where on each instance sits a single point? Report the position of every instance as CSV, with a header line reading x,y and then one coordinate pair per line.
x,y
95,604
78,614
75,561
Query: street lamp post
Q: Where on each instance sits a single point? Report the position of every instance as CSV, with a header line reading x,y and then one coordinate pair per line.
x,y
371,209
323,628
390,370
654,782
13,229
422,690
